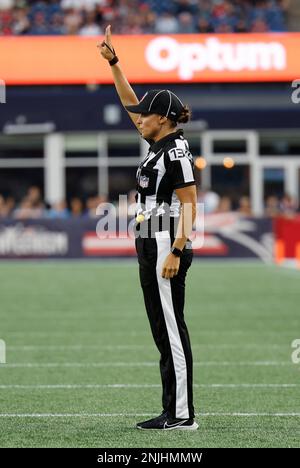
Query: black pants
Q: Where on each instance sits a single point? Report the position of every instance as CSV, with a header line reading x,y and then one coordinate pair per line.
x,y
164,301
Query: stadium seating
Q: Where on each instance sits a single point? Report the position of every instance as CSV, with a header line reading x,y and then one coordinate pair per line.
x,y
59,17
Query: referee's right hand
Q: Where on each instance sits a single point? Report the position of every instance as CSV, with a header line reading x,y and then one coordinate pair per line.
x,y
170,266
105,51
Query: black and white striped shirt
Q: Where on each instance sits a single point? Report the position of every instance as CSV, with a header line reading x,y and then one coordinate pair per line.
x,y
168,165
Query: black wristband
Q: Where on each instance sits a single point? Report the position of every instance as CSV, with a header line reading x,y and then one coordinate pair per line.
x,y
176,252
113,61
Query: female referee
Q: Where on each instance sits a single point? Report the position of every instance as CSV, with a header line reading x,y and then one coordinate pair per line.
x,y
166,210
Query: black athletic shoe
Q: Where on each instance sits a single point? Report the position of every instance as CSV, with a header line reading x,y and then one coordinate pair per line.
x,y
163,423
180,424
155,423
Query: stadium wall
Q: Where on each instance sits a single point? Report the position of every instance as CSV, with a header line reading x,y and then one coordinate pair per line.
x,y
82,108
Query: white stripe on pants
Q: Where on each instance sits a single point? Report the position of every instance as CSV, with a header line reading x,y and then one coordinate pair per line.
x,y
164,285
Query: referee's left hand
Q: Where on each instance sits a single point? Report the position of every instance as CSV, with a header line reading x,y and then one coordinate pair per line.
x,y
170,267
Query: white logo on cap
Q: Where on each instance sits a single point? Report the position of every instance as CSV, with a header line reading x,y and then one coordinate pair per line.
x,y
144,96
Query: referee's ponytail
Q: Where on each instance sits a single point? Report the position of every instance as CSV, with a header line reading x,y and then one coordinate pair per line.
x,y
184,117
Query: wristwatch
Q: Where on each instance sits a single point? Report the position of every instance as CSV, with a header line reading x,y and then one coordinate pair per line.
x,y
176,252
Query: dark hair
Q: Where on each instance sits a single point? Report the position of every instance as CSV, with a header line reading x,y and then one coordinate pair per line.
x,y
184,117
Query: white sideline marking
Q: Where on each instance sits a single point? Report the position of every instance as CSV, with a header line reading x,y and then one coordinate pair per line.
x,y
133,415
129,386
142,346
139,334
142,364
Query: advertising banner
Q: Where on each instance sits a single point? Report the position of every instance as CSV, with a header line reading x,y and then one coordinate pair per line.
x,y
226,235
152,59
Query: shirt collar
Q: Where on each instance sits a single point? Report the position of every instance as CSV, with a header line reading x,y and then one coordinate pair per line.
x,y
157,145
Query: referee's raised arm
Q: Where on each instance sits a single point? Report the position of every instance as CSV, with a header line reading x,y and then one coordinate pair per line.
x,y
126,94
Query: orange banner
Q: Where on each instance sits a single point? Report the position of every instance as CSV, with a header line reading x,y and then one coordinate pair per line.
x,y
152,59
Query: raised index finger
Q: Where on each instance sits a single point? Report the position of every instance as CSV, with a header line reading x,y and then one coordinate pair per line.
x,y
107,34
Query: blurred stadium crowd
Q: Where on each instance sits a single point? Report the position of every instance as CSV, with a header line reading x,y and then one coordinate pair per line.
x,y
33,206
89,17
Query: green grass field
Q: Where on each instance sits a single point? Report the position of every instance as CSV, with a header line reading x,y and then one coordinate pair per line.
x,y
82,368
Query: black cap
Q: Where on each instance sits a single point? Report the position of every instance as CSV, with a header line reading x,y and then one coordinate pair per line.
x,y
159,101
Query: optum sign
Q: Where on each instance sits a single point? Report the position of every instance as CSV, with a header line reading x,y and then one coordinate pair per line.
x,y
166,54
